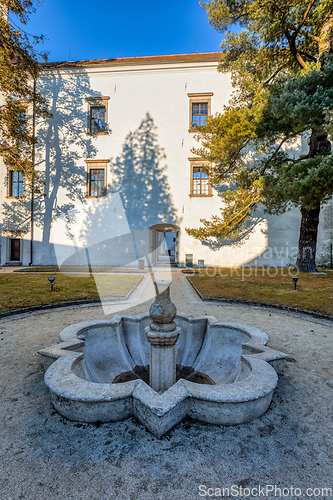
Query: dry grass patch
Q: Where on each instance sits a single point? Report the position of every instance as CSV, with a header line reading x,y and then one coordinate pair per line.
x,y
269,286
33,289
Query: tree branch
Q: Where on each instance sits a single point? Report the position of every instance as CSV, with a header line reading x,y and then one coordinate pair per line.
x,y
262,171
309,56
266,82
292,46
306,13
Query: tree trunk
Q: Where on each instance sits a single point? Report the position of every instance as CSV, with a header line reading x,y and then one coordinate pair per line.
x,y
307,244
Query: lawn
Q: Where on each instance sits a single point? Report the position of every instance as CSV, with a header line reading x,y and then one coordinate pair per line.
x,y
32,289
269,286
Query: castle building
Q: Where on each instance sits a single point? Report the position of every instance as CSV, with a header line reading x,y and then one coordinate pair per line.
x,y
120,179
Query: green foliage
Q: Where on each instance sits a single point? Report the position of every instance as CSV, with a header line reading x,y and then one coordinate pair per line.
x,y
19,67
234,215
281,64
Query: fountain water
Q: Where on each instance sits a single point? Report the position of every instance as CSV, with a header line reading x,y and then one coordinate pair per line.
x,y
161,368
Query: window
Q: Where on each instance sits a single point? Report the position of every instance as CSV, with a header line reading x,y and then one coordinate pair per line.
x,y
200,181
97,119
22,115
97,115
22,122
15,184
96,182
200,185
199,113
96,178
200,109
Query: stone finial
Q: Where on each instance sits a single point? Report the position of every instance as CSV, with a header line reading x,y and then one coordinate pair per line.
x,y
163,311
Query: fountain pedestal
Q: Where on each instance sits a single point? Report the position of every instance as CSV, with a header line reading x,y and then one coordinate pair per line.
x,y
162,368
162,334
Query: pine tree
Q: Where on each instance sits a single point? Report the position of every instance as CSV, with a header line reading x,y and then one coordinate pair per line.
x,y
281,64
19,102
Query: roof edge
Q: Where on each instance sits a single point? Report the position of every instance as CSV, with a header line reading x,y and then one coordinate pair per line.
x,y
123,61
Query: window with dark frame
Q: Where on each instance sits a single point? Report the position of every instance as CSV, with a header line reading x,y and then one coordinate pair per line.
x,y
199,114
96,182
200,181
22,122
97,119
200,104
16,184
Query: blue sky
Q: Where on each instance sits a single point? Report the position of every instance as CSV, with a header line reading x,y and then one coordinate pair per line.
x,y
106,29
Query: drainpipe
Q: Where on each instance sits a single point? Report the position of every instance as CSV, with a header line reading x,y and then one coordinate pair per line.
x,y
32,180
331,244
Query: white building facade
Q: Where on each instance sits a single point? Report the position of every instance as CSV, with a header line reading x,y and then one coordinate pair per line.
x,y
120,183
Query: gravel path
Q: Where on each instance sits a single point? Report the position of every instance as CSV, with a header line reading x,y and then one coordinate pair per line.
x,y
44,456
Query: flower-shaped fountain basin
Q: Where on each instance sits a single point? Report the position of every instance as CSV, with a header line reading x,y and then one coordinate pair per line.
x,y
108,380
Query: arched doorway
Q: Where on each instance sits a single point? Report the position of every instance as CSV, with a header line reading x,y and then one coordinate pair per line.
x,y
164,243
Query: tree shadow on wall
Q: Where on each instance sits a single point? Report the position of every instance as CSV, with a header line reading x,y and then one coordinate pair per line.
x,y
117,225
61,145
141,179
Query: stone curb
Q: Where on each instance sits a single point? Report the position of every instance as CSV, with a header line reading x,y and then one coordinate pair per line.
x,y
29,271
313,314
24,310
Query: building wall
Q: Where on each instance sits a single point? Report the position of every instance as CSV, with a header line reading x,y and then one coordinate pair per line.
x,y
14,218
147,152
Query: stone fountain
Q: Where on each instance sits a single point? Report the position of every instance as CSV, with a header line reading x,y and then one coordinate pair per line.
x,y
162,334
160,368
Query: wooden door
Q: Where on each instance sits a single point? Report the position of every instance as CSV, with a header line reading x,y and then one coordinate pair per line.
x,y
15,247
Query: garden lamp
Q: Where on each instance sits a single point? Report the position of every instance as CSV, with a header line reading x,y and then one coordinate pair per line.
x,y
295,279
51,281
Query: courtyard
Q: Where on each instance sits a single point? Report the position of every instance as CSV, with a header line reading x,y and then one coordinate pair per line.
x,y
45,456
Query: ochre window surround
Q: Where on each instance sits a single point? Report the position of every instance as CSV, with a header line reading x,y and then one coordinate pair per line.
x,y
199,108
96,178
97,117
200,185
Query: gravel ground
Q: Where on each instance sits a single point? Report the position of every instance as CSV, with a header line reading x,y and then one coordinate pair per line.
x,y
45,456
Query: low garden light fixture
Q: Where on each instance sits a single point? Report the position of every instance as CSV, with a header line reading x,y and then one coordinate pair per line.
x,y
295,279
51,281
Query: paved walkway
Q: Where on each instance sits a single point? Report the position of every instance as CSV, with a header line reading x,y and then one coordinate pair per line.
x,y
44,456
11,269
